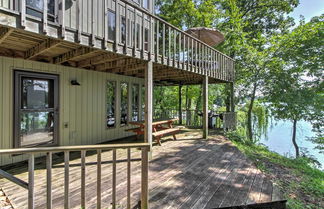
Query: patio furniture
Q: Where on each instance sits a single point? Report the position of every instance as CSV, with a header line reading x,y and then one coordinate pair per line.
x,y
160,128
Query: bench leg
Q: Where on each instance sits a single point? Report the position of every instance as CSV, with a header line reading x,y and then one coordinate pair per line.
x,y
158,140
174,137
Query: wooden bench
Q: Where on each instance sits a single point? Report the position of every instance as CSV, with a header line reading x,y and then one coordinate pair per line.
x,y
137,130
159,134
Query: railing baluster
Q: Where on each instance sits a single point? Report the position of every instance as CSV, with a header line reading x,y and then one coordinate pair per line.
x,y
188,53
78,21
169,46
105,21
98,178
143,35
62,19
163,43
114,180
128,178
183,51
135,34
66,179
144,185
117,25
127,25
157,41
174,48
192,54
196,56
151,38
83,175
93,29
31,170
49,179
179,50
45,16
23,14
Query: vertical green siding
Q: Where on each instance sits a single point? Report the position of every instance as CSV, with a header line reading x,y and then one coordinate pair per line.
x,y
82,107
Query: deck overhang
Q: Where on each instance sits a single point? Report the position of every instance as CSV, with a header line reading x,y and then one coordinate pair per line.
x,y
178,58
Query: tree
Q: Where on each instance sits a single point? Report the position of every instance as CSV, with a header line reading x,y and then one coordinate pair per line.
x,y
295,87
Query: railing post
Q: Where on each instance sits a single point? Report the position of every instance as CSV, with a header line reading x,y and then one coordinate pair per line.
x,y
114,169
49,179
66,179
128,178
98,178
83,176
144,186
31,169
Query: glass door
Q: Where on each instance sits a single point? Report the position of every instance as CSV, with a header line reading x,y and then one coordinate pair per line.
x,y
36,109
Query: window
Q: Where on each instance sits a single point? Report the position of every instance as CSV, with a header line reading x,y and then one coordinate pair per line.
x,y
123,30
135,102
111,105
111,25
146,35
36,109
36,7
138,38
146,4
123,104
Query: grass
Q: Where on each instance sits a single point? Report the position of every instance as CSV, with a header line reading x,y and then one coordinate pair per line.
x,y
301,183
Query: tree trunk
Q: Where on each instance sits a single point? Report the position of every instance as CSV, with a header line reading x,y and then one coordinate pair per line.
x,y
294,138
249,114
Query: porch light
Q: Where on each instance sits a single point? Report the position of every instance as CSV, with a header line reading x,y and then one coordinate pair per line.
x,y
75,83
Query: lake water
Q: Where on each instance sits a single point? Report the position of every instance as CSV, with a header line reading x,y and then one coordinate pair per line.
x,y
279,139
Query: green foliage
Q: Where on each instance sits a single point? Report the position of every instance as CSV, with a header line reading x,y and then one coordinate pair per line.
x,y
295,82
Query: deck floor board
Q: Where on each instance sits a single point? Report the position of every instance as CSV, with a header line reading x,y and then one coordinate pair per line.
x,y
187,173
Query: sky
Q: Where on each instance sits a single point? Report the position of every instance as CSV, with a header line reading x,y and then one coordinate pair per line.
x,y
309,9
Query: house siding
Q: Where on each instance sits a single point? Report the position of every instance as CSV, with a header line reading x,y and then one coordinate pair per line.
x,y
82,107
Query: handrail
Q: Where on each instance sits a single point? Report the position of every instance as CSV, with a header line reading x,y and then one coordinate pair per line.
x,y
73,148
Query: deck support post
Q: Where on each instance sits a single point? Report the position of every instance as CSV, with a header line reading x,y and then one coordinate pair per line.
x,y
180,108
205,107
148,102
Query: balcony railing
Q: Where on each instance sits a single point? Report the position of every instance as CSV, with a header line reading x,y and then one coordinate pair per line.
x,y
138,34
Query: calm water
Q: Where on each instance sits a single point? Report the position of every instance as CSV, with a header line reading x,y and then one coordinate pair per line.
x,y
279,139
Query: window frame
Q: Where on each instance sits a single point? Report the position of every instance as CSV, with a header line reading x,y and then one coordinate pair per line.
x,y
54,16
138,102
115,105
128,103
18,75
108,19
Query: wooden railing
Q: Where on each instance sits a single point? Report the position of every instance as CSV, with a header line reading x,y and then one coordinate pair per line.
x,y
139,33
83,149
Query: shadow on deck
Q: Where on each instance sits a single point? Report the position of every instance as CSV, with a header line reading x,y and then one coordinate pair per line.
x,y
188,173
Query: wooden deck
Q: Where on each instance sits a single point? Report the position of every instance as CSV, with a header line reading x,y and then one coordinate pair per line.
x,y
187,173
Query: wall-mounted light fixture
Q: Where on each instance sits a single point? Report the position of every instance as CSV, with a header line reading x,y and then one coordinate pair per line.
x,y
75,83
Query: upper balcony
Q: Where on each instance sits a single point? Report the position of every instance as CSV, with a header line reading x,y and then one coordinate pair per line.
x,y
114,36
